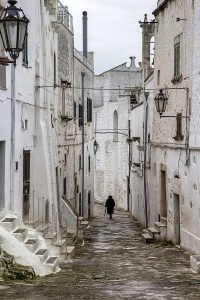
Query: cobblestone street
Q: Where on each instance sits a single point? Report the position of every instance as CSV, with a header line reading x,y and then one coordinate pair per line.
x,y
114,264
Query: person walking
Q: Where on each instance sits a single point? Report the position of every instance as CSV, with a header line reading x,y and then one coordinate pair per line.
x,y
110,204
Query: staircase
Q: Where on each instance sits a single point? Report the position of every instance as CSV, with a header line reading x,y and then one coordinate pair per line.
x,y
156,233
28,239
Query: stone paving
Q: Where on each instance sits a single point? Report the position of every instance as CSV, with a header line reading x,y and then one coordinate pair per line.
x,y
114,264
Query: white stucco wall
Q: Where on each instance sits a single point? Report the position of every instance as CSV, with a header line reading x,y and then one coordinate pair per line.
x,y
179,159
111,159
87,67
35,105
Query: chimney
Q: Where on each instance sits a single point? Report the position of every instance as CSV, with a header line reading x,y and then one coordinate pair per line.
x,y
148,31
85,48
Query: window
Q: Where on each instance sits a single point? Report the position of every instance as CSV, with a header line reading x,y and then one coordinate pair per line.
x,y
115,126
158,77
89,110
89,163
74,110
64,185
65,158
54,69
25,51
179,136
79,162
177,59
63,102
133,98
80,116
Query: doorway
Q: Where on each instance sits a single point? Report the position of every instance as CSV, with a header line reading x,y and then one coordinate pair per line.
x,y
26,185
80,205
163,196
89,204
2,174
177,235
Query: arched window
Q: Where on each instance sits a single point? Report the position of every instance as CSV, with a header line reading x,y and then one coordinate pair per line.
x,y
115,126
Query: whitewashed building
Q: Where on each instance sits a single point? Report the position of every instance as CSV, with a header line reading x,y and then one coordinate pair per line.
x,y
172,205
48,137
84,151
115,95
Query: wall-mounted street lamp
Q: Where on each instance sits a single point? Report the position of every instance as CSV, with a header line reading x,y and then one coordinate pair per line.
x,y
13,30
161,102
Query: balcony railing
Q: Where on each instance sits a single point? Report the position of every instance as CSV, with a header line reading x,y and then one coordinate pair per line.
x,y
64,16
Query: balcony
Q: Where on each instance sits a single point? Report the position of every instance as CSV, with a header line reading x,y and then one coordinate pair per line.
x,y
64,16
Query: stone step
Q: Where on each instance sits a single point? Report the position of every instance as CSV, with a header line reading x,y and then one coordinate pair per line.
x,y
61,244
43,254
84,224
43,229
52,262
80,219
20,234
32,244
163,230
147,238
9,223
57,247
154,233
32,225
195,263
163,220
50,238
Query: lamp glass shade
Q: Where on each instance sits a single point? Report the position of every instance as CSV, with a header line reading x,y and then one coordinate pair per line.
x,y
13,28
161,102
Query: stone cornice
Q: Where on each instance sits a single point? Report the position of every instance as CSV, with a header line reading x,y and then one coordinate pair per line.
x,y
161,7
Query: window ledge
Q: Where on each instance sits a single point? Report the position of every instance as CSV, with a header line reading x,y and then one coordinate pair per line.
x,y
177,79
65,118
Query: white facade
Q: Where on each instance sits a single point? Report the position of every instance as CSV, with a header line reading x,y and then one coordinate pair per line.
x,y
84,153
112,107
172,165
34,134
47,135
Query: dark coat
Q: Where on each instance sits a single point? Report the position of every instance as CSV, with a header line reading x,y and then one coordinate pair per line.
x,y
110,204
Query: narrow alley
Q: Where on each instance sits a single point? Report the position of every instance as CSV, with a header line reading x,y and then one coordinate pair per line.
x,y
114,263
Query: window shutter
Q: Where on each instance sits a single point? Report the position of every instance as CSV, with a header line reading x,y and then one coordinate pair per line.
x,y
25,51
89,110
80,115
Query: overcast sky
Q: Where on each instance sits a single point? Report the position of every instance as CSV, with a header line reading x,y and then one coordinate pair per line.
x,y
113,30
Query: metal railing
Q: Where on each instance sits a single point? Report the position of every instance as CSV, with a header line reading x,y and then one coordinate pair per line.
x,y
64,16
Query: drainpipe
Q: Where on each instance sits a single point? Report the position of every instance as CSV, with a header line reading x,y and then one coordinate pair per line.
x,y
129,165
12,153
85,42
83,142
146,94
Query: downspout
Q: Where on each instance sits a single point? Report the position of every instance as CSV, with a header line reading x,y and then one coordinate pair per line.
x,y
83,142
146,94
129,165
85,39
12,150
